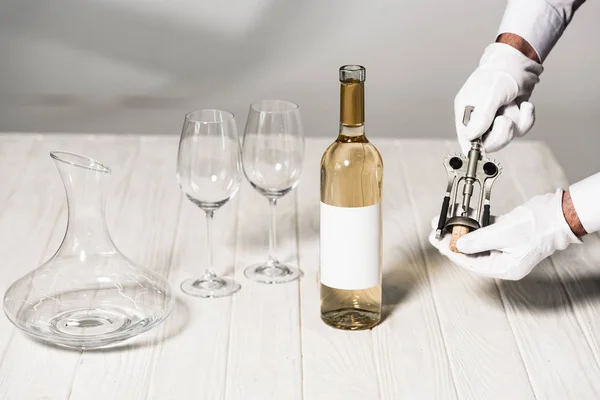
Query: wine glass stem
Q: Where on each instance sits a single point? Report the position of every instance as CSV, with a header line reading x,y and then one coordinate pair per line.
x,y
209,251
272,233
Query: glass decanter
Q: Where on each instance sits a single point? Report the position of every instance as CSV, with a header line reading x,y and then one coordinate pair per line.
x,y
87,294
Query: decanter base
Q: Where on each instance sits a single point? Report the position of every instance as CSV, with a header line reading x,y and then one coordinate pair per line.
x,y
91,322
89,328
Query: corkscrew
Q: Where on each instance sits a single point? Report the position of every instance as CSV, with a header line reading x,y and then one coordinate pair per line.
x,y
464,175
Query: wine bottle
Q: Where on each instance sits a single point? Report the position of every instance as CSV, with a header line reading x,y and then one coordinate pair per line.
x,y
350,216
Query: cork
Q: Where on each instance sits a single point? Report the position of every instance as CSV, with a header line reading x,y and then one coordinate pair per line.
x,y
457,232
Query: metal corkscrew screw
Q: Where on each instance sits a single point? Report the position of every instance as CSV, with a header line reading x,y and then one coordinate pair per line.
x,y
465,174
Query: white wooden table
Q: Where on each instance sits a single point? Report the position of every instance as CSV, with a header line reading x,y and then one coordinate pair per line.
x,y
447,334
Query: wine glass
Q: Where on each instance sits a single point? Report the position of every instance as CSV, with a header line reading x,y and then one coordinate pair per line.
x,y
272,156
209,172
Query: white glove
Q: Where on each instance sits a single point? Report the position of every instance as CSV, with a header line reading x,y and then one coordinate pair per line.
x,y
501,84
515,243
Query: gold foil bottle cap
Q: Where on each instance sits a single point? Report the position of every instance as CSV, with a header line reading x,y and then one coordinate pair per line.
x,y
352,108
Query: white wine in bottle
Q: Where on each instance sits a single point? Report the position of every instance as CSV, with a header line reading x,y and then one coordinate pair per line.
x,y
350,216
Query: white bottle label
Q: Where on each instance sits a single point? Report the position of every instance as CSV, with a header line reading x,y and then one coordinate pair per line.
x,y
350,246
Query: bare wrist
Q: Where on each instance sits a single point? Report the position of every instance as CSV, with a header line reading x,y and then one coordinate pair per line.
x,y
571,215
520,44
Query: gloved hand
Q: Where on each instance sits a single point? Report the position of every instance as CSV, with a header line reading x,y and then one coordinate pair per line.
x,y
502,83
515,243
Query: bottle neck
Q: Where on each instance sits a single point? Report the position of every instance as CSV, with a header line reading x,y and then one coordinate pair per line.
x,y
352,109
352,131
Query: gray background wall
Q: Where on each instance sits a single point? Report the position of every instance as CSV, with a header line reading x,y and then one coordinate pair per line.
x,y
136,66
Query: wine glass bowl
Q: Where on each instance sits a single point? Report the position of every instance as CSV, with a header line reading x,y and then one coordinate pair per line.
x,y
209,173
272,158
277,171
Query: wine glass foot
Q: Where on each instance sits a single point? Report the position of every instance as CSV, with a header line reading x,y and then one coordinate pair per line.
x,y
210,286
274,273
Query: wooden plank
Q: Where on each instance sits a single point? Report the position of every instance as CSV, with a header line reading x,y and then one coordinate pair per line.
x,y
409,346
144,231
32,226
337,364
193,362
558,356
264,355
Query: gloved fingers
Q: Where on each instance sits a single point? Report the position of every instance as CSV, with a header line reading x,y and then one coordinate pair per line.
x,y
501,134
514,121
498,236
482,116
492,264
485,102
480,264
481,120
526,119
511,110
489,264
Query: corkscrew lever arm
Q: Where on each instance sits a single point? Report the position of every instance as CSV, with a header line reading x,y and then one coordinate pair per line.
x,y
443,214
445,204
